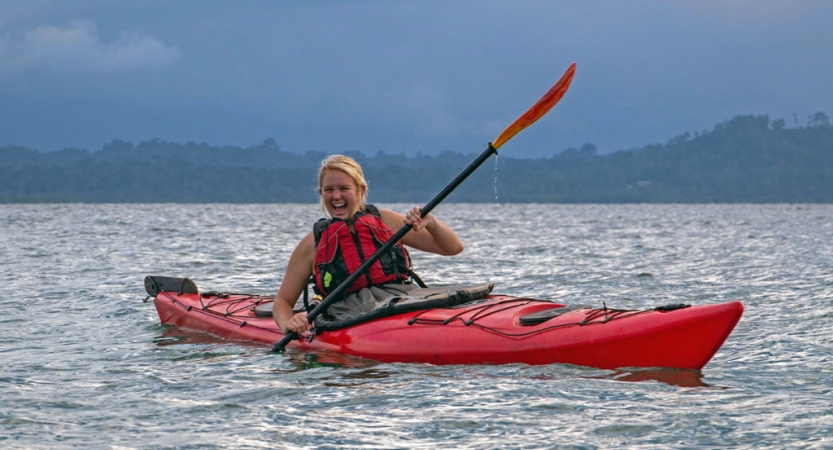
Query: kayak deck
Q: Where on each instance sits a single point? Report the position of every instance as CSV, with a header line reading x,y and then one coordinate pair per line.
x,y
497,330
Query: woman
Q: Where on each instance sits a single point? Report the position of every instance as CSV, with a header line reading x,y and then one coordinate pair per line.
x,y
343,192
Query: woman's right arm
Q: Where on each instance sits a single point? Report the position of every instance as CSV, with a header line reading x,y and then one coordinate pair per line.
x,y
295,280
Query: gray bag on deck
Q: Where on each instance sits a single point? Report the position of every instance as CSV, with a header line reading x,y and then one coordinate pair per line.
x,y
389,299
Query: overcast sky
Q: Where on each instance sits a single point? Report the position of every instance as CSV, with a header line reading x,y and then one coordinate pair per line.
x,y
404,76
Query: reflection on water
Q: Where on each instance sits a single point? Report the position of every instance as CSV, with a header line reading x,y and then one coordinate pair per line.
x,y
672,377
172,335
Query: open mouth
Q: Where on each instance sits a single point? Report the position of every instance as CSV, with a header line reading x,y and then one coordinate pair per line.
x,y
339,208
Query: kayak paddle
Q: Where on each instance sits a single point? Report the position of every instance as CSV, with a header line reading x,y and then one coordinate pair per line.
x,y
538,110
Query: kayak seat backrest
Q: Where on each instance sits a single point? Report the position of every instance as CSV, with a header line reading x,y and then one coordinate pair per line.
x,y
156,284
547,314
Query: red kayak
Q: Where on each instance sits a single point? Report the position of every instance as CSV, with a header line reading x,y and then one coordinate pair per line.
x,y
498,329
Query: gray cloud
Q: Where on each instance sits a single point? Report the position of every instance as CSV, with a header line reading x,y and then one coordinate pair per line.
x,y
77,49
404,76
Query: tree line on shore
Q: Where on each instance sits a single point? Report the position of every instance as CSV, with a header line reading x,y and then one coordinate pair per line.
x,y
748,159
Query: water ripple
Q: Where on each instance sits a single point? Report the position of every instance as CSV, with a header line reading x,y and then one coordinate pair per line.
x,y
83,356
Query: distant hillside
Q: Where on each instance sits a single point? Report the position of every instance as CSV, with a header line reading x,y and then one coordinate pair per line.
x,y
746,159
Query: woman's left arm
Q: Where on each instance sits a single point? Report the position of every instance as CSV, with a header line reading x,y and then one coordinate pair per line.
x,y
428,234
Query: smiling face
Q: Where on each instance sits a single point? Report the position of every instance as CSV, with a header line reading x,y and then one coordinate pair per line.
x,y
340,194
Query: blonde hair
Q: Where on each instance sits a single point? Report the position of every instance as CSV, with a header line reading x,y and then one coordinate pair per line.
x,y
349,166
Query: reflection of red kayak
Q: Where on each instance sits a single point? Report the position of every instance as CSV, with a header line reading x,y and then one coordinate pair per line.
x,y
497,330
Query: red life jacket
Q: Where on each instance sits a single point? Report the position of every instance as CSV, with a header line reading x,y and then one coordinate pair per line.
x,y
339,252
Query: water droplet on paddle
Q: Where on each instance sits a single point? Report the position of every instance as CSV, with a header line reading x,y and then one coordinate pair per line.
x,y
496,201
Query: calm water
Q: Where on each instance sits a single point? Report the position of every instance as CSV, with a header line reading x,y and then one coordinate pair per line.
x,y
85,363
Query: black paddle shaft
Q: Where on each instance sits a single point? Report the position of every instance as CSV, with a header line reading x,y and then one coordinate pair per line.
x,y
336,294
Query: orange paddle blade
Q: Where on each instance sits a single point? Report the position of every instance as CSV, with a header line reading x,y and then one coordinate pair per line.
x,y
539,109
